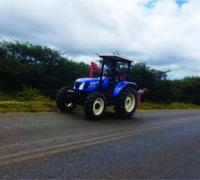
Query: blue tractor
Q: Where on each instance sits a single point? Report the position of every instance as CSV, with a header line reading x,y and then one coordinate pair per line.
x,y
111,88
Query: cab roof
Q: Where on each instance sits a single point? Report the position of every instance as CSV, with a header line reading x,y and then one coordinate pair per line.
x,y
115,58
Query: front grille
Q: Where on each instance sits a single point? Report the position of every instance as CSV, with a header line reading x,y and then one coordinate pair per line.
x,y
77,84
86,85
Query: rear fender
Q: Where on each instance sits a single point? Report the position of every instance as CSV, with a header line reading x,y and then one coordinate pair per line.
x,y
121,85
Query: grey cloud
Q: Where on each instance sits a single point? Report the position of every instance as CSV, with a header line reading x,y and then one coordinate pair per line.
x,y
165,36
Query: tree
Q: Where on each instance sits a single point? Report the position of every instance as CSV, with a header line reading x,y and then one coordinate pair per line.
x,y
43,68
36,66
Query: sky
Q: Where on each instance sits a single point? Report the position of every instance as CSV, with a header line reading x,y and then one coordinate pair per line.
x,y
163,33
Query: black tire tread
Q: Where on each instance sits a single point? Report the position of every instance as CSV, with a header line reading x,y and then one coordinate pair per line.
x,y
89,105
61,96
119,106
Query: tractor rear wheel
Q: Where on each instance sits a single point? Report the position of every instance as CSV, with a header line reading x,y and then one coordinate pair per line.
x,y
64,100
126,103
95,105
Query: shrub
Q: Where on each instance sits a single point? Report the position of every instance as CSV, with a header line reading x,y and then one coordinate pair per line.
x,y
28,93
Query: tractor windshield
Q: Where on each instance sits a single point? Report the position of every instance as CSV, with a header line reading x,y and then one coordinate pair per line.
x,y
116,71
122,69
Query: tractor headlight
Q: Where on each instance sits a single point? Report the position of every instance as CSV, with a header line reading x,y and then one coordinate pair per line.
x,y
81,86
93,83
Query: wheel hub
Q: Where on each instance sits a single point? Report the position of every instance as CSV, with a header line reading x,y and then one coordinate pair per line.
x,y
98,106
130,102
69,105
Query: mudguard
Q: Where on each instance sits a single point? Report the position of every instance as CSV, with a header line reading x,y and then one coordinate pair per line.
x,y
121,85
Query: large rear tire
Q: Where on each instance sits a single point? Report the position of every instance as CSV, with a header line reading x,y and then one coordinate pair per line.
x,y
95,105
64,100
126,103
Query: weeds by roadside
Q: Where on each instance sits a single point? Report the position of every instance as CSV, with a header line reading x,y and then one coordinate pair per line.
x,y
27,100
31,100
175,105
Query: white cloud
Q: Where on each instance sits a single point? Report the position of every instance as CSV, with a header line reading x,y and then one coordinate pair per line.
x,y
166,36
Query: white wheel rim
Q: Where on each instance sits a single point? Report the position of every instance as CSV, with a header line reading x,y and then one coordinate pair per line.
x,y
98,106
69,105
130,103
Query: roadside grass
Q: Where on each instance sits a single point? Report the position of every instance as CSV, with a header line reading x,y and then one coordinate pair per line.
x,y
44,104
28,106
162,106
31,100
27,100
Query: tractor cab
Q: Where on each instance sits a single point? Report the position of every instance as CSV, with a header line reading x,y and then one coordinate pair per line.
x,y
115,68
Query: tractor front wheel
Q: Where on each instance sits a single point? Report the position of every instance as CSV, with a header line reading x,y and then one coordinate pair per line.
x,y
126,103
95,105
64,100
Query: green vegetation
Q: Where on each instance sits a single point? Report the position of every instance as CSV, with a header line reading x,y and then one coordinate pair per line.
x,y
24,64
160,106
47,105
30,76
27,106
32,100
27,100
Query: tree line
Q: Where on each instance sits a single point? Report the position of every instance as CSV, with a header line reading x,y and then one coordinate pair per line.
x,y
43,68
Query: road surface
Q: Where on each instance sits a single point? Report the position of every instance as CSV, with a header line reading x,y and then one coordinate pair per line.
x,y
159,144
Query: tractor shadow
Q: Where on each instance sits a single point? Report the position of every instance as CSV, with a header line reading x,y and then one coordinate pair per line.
x,y
113,116
109,117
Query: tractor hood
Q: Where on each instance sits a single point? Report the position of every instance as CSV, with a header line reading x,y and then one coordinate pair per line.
x,y
88,84
87,80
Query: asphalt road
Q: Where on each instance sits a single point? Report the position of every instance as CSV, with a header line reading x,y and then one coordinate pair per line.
x,y
160,144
